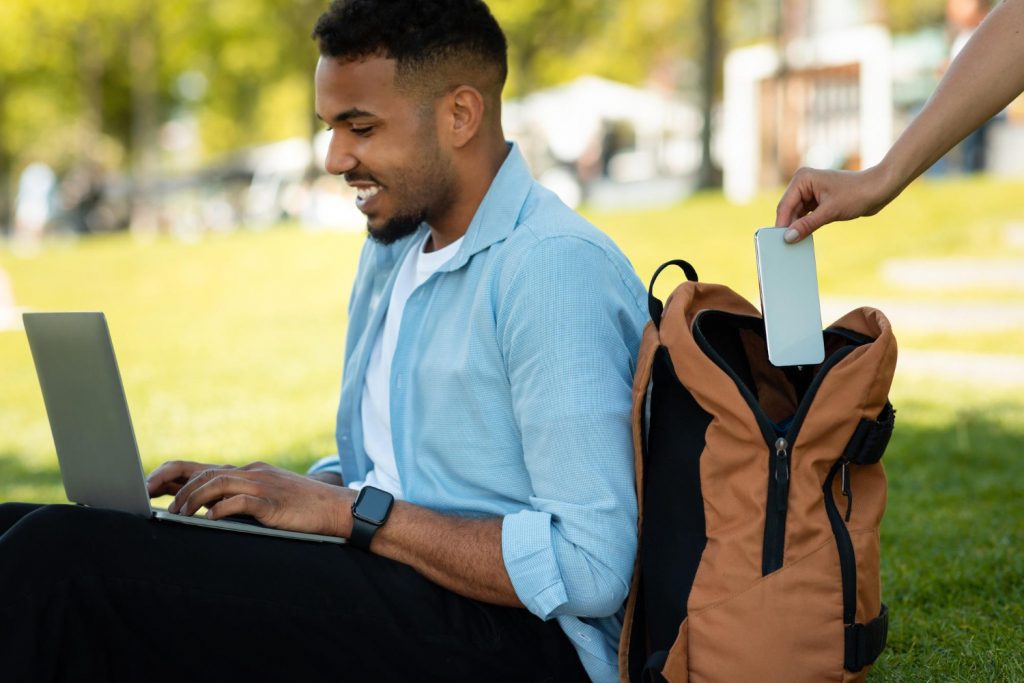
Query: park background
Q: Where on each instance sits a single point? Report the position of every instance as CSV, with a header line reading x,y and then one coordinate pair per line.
x,y
159,161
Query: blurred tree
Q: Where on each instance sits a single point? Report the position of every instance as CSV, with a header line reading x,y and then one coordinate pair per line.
x,y
96,80
711,75
543,32
551,41
908,15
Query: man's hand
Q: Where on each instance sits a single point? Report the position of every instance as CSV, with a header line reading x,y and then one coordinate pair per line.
x,y
462,554
275,497
168,479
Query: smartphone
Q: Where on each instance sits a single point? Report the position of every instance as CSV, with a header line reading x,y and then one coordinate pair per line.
x,y
789,298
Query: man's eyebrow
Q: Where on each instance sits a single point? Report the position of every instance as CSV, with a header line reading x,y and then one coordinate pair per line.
x,y
346,115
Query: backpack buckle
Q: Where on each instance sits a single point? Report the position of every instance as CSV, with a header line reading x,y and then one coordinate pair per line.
x,y
870,438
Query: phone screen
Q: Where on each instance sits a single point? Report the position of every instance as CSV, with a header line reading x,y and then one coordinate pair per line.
x,y
789,298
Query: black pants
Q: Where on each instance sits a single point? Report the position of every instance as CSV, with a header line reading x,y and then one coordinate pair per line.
x,y
95,595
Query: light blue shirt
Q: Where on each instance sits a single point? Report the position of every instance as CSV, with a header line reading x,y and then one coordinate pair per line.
x,y
511,396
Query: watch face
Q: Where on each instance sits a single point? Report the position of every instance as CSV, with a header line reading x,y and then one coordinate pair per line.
x,y
373,505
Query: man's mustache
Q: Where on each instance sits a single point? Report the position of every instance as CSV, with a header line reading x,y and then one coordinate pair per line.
x,y
359,178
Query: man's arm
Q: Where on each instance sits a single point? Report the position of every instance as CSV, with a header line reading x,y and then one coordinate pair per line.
x,y
569,328
986,76
332,478
462,555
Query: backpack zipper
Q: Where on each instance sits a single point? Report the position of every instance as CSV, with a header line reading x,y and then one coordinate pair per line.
x,y
778,505
778,485
844,544
779,459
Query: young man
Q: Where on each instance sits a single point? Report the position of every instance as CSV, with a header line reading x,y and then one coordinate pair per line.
x,y
487,391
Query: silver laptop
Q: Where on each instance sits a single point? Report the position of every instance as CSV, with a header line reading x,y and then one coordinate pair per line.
x,y
92,430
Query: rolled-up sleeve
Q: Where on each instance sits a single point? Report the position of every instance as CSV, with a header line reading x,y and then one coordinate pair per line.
x,y
569,323
328,463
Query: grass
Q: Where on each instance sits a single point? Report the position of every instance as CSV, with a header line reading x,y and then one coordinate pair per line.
x,y
231,350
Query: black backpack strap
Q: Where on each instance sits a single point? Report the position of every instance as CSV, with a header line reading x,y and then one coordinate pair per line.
x,y
864,642
870,438
654,305
654,666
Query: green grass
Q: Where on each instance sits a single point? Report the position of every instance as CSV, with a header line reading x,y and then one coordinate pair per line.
x,y
231,350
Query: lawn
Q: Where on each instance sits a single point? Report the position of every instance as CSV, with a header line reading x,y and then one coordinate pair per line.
x,y
231,348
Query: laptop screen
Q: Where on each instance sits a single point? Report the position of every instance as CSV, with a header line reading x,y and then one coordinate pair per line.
x,y
87,409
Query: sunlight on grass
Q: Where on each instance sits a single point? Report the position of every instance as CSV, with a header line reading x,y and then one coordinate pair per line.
x,y
231,350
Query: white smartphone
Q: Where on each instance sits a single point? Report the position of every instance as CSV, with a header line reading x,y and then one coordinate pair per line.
x,y
789,298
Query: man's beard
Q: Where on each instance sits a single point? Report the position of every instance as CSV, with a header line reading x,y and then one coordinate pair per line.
x,y
396,228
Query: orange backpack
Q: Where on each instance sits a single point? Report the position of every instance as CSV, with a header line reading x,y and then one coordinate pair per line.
x,y
761,494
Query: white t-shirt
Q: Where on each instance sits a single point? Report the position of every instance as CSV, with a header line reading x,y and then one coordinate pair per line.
x,y
376,403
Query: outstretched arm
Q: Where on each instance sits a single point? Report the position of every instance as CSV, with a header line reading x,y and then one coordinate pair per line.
x,y
986,76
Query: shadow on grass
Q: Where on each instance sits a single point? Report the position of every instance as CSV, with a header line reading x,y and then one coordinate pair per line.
x,y
19,482
952,566
26,484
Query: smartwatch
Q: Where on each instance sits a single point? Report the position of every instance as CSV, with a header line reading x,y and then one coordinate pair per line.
x,y
369,513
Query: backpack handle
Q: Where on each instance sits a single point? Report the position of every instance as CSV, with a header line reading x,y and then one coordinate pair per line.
x,y
654,305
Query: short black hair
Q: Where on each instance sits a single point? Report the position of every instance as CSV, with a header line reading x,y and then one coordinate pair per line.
x,y
420,35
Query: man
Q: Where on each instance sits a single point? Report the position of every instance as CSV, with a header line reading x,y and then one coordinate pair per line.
x,y
487,389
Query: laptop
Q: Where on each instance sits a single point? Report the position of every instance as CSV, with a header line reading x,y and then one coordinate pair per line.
x,y
92,430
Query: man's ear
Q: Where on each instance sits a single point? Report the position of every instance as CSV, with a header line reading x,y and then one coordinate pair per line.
x,y
465,114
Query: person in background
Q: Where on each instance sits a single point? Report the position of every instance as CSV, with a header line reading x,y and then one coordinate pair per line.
x,y
9,319
34,206
984,78
962,19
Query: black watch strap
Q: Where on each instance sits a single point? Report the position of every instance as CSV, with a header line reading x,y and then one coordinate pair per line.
x,y
369,513
362,533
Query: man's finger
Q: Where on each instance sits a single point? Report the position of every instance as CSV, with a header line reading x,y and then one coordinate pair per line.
x,y
170,476
243,504
210,486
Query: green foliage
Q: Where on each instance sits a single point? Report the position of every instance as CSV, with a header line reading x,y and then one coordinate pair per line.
x,y
551,41
908,15
68,71
72,85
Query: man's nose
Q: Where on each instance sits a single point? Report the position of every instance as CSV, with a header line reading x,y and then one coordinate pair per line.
x,y
339,158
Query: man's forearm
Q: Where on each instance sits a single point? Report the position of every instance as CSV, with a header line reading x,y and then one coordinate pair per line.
x,y
460,554
463,555
328,478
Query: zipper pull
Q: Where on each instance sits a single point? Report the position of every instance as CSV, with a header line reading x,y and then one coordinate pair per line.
x,y
847,491
782,473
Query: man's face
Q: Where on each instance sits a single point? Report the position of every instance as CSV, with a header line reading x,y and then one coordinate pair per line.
x,y
385,143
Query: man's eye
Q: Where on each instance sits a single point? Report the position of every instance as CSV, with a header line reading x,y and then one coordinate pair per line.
x,y
365,130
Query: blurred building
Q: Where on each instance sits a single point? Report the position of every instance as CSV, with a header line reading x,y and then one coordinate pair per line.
x,y
820,95
608,143
834,89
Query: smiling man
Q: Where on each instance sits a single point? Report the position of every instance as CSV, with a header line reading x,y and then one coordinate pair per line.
x,y
484,472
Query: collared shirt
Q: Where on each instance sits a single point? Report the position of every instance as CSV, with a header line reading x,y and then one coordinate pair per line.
x,y
510,396
417,267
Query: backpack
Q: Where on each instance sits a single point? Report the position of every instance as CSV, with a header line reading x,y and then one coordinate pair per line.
x,y
760,494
